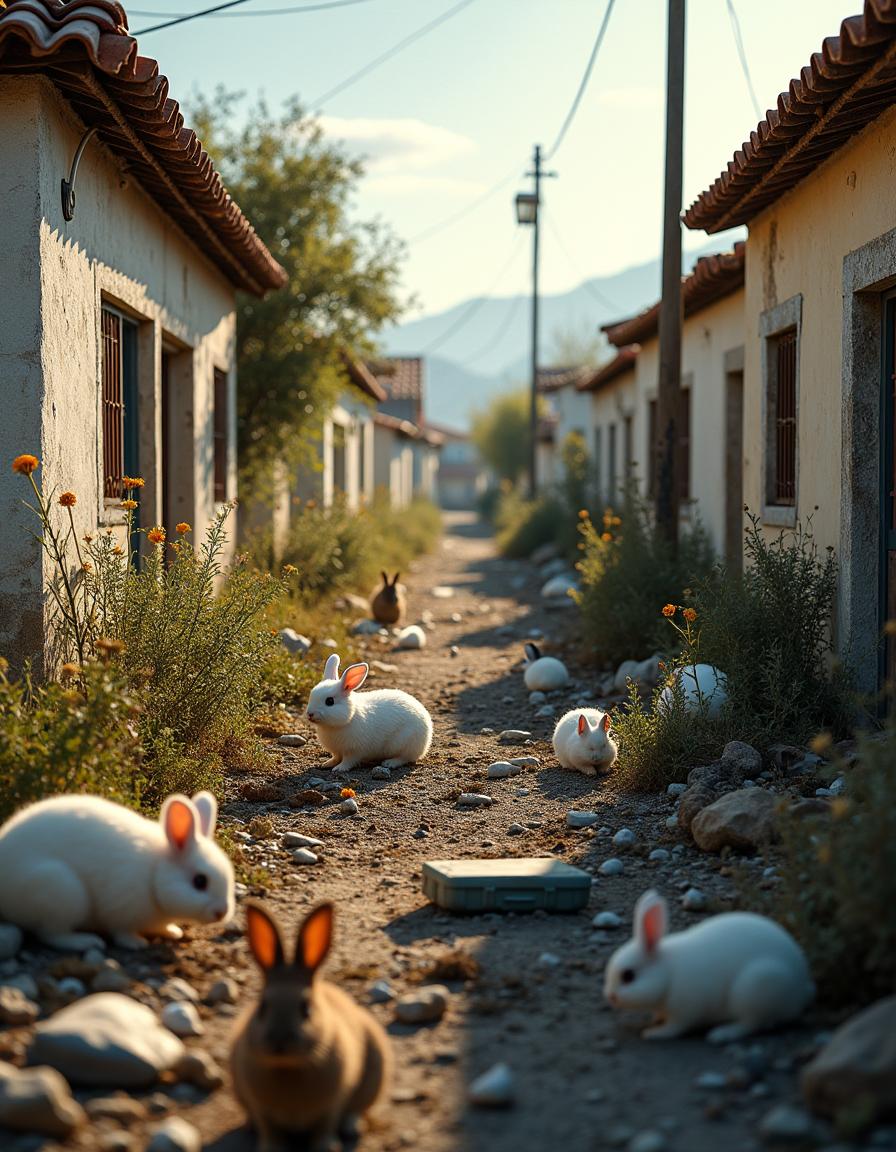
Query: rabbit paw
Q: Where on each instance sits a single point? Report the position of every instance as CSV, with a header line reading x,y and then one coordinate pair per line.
x,y
332,762
343,768
172,932
73,941
395,762
130,940
728,1033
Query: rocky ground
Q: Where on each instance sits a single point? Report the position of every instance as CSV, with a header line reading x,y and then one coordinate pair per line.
x,y
524,991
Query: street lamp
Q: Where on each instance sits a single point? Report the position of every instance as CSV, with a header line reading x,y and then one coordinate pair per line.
x,y
527,214
526,208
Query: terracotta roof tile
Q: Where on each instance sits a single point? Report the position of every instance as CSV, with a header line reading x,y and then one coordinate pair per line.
x,y
624,361
361,376
847,84
553,379
713,278
84,48
400,376
402,427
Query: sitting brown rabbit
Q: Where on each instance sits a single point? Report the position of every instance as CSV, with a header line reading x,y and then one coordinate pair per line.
x,y
307,1060
388,604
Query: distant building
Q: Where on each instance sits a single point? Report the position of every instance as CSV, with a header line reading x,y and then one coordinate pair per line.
x,y
462,475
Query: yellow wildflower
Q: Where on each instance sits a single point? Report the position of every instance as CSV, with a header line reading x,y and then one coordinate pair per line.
x,y
606,537
347,793
132,481
129,505
289,569
821,742
840,806
25,465
583,513
69,670
118,550
107,644
68,499
182,527
689,614
156,535
669,610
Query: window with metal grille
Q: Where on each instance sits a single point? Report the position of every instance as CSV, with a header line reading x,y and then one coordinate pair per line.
x,y
119,401
651,446
684,443
219,435
628,447
782,439
611,453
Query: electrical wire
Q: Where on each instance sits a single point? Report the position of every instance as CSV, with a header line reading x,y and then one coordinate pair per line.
x,y
571,114
434,229
595,293
389,53
501,331
739,42
191,16
254,12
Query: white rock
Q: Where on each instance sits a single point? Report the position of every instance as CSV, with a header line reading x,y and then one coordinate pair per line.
x,y
559,587
442,592
349,806
10,941
611,867
297,840
624,838
649,1140
473,800
174,1134
548,960
581,819
381,772
424,1006
292,740
502,768
837,786
536,698
223,991
525,761
703,686
607,920
545,712
493,1089
304,856
659,856
181,1018
513,736
693,900
380,992
412,637
294,642
38,1100
676,789
177,988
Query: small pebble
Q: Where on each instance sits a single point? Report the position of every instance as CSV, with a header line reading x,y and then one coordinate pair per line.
x,y
181,1018
349,806
672,822
501,769
424,1006
174,1134
71,986
296,840
607,920
525,761
381,772
514,736
380,992
693,900
648,1141
786,1125
712,1080
545,712
473,800
304,856
292,740
199,1069
659,856
549,960
676,789
611,867
581,819
536,698
223,991
493,1089
624,837
516,830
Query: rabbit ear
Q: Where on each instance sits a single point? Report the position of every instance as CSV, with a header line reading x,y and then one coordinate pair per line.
x,y
605,723
583,723
354,676
650,920
179,818
532,653
331,668
395,579
314,940
264,937
207,809
385,577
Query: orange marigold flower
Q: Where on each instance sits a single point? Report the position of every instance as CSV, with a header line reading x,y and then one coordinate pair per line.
x,y
289,569
669,610
156,535
182,527
583,513
67,671
109,644
68,499
88,539
128,505
347,793
132,481
87,566
606,537
118,550
689,614
25,465
311,503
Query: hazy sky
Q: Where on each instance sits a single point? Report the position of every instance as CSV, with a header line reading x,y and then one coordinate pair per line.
x,y
461,108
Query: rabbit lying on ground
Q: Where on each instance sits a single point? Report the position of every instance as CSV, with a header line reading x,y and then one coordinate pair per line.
x,y
738,972
386,726
80,862
388,604
582,741
307,1060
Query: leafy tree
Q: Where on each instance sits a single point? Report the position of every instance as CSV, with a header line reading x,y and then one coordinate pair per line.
x,y
572,346
501,433
296,188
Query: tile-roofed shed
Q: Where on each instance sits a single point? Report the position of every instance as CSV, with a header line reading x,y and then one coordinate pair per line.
x,y
624,361
845,86
555,379
83,47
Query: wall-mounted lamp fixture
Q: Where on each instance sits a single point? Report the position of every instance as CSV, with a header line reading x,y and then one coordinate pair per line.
x,y
68,186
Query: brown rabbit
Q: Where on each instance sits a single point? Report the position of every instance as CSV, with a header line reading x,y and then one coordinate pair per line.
x,y
388,604
307,1060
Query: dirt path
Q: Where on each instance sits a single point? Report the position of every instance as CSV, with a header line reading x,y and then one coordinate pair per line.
x,y
585,1079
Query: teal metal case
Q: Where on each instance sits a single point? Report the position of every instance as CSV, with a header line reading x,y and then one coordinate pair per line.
x,y
511,885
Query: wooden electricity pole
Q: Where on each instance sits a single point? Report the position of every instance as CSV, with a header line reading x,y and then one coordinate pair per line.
x,y
666,478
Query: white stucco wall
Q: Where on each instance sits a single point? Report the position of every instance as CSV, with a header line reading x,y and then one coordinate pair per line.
x,y
118,248
394,465
609,407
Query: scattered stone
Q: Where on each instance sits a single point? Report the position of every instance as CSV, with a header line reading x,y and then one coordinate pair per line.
x,y
329,642
676,789
381,666
10,941
106,1039
111,978
493,1089
708,782
581,819
607,920
174,1134
198,1068
38,1100
559,587
296,840
71,988
525,761
513,736
548,960
349,807
624,838
545,712
536,698
292,740
786,1126
121,1141
649,1140
181,1017
425,1006
713,1081
486,731
121,1107
744,820
693,900
26,983
304,856
672,822
294,642
365,627
176,988
659,855
442,592
516,830
381,772
380,992
501,769
611,867
413,637
473,800
15,1007
856,1070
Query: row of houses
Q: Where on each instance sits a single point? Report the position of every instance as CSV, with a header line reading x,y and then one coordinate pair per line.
x,y
121,255
789,341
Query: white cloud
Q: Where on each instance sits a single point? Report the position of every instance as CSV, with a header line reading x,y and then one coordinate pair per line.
x,y
392,146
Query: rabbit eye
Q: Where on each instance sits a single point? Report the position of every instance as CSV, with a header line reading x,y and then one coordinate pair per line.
x,y
200,881
329,701
627,975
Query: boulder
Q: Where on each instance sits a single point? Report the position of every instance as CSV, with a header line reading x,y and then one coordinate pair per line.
x,y
106,1039
855,1072
38,1100
742,758
743,820
708,782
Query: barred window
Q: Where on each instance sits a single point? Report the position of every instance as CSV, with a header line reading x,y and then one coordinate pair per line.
x,y
219,435
782,419
119,401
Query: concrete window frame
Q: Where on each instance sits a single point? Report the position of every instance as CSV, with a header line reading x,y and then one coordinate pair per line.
x,y
868,274
773,323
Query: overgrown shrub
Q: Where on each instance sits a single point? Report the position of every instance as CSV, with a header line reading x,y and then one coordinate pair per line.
x,y
523,525
77,736
628,572
769,629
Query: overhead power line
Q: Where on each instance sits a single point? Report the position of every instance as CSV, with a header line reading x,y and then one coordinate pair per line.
x,y
589,67
499,334
245,15
741,52
191,16
389,53
595,293
434,229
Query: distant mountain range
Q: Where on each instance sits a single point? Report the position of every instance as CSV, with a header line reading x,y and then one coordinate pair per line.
x,y
489,354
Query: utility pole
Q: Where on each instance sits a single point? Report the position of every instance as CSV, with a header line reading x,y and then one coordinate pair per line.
x,y
533,399
666,476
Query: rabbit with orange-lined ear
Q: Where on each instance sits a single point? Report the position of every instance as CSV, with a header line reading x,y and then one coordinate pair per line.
x,y
307,1060
582,741
388,605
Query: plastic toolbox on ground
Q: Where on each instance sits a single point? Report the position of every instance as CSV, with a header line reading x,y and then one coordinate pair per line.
x,y
511,885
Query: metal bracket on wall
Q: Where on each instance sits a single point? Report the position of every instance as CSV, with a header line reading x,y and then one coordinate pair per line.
x,y
68,186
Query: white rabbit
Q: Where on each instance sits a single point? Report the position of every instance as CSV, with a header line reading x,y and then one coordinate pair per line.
x,y
701,683
72,866
582,741
737,971
387,726
543,673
